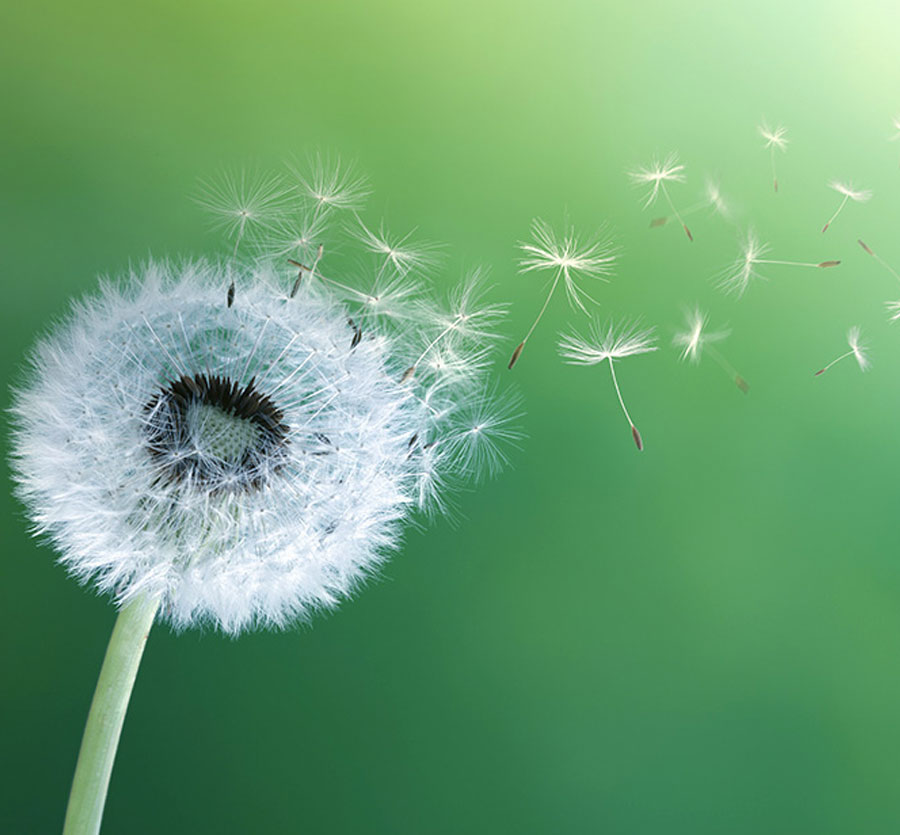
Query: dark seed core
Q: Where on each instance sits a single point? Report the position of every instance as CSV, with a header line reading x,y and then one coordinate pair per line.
x,y
208,431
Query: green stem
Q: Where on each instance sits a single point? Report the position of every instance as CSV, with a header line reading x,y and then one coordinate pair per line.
x,y
104,723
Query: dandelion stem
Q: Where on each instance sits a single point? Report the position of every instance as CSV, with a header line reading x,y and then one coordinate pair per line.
x,y
687,231
774,175
728,368
836,360
534,324
785,263
634,432
880,260
104,723
831,219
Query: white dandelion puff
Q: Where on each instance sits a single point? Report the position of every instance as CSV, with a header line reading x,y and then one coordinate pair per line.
x,y
736,278
848,192
207,447
775,140
656,175
857,351
609,343
569,261
696,339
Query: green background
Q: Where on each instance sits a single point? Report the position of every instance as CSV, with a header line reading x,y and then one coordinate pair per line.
x,y
702,638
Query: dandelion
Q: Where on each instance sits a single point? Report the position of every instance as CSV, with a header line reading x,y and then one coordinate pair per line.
x,y
712,200
849,193
656,176
611,343
893,307
896,125
569,262
696,339
237,460
775,140
856,350
736,278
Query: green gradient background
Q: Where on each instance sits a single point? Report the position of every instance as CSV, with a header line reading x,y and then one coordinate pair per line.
x,y
701,639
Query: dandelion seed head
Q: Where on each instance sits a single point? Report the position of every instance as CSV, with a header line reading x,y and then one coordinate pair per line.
x,y
249,462
658,172
847,190
774,137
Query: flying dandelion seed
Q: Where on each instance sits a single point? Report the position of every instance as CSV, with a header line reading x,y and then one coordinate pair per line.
x,y
242,459
775,140
244,203
857,350
469,321
696,339
849,193
398,254
656,175
893,307
611,343
712,200
569,262
736,278
332,185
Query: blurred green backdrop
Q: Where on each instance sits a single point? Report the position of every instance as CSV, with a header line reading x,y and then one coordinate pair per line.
x,y
702,639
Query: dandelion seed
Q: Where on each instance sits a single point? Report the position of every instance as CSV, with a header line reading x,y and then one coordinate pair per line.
x,y
609,343
696,339
893,307
469,321
775,139
569,262
849,193
736,278
857,350
712,200
397,253
656,175
487,428
896,124
332,185
239,204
